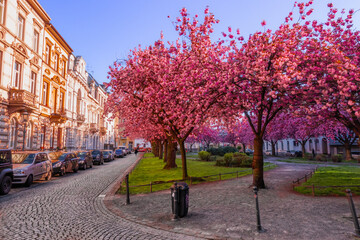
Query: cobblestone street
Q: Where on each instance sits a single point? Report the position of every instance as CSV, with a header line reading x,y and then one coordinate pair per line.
x,y
71,207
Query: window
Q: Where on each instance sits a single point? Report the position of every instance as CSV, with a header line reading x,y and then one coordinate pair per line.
x,y
1,57
56,62
61,103
28,135
12,134
33,82
36,41
2,11
69,106
47,54
63,68
45,93
20,32
17,74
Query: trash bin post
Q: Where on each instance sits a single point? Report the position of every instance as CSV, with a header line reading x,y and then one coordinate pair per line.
x,y
127,190
175,199
353,212
258,224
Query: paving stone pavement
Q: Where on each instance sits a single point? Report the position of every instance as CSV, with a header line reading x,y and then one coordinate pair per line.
x,y
72,208
226,209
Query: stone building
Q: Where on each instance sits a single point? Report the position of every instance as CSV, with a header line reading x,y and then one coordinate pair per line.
x,y
22,34
47,98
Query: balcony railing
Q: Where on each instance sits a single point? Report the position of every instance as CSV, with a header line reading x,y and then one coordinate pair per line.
x,y
103,131
21,98
80,118
94,127
58,116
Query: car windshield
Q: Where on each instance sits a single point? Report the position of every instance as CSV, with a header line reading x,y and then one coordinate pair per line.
x,y
62,157
81,154
118,150
106,153
23,158
95,152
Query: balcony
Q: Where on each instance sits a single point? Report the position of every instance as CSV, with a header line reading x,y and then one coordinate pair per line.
x,y
58,116
21,99
80,118
94,128
103,131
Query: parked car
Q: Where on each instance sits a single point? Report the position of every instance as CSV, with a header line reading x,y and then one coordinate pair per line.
x,y
267,152
119,153
124,149
64,162
85,160
6,172
249,151
290,153
28,167
97,157
108,155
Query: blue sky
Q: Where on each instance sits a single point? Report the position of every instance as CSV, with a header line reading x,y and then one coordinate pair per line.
x,y
104,31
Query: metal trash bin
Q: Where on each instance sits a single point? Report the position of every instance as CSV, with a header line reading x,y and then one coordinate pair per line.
x,y
181,204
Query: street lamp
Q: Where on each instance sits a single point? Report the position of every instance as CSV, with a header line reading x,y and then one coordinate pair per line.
x,y
25,120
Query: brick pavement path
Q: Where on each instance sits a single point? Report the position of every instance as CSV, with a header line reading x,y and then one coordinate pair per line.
x,y
70,208
226,210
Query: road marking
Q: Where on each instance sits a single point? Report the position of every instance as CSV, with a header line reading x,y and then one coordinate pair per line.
x,y
102,196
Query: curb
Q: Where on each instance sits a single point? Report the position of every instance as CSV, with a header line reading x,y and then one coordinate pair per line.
x,y
111,196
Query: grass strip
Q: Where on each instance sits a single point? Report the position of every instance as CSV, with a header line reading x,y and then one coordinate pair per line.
x,y
332,176
150,169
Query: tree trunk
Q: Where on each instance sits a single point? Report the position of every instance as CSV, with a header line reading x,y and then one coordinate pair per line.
x,y
155,148
273,150
161,150
258,163
183,160
303,149
165,150
348,155
170,163
243,147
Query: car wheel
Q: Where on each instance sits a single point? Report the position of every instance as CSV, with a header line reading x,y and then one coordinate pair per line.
x,y
76,169
62,172
91,165
5,185
84,167
48,177
29,181
102,162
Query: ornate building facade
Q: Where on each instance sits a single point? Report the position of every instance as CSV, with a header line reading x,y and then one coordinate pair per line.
x,y
47,99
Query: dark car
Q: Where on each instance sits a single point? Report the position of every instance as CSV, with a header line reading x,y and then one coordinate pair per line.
x,y
119,153
97,157
6,172
108,155
66,162
85,160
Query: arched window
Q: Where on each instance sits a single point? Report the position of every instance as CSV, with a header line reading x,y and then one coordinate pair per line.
x,y
13,134
317,145
29,131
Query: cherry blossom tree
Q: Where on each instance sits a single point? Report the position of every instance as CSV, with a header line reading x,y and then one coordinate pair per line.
x,y
173,85
267,76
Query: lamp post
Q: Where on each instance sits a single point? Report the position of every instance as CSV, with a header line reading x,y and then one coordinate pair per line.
x,y
25,120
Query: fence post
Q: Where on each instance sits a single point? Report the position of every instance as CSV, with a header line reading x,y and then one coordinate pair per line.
x,y
150,186
127,190
176,200
313,190
219,176
353,212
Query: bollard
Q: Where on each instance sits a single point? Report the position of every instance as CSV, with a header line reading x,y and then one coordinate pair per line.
x,y
353,213
127,190
258,224
176,201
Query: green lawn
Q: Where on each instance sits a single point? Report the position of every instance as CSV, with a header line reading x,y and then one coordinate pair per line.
x,y
333,176
150,169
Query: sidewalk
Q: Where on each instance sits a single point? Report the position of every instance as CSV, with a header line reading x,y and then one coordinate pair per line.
x,y
226,210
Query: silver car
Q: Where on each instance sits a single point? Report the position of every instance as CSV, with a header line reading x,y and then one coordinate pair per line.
x,y
28,167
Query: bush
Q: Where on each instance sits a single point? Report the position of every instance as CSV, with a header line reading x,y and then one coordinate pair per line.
x,y
309,156
228,157
221,151
204,156
220,162
212,158
336,158
321,157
